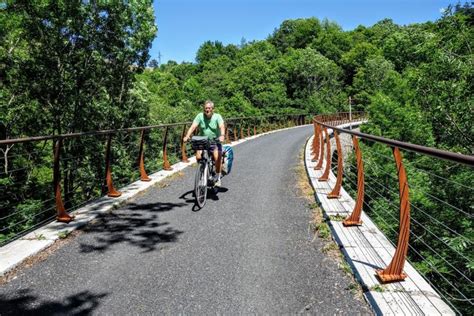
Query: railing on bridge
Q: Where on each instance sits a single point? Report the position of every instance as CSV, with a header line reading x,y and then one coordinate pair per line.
x,y
438,235
79,166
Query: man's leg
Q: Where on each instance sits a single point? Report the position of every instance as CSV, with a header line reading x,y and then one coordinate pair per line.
x,y
198,155
217,155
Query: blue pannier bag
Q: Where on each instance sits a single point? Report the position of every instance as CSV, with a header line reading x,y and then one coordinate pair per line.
x,y
228,155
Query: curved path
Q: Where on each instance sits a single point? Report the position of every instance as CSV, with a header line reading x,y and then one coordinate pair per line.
x,y
247,251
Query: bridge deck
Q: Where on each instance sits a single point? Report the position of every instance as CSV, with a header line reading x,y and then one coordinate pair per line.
x,y
248,251
367,249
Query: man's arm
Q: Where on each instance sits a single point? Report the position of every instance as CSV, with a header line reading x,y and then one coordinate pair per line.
x,y
222,129
190,131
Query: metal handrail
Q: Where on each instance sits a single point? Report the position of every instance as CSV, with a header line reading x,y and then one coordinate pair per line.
x,y
394,272
129,129
434,152
237,127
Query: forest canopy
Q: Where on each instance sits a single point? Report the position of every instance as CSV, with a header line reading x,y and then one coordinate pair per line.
x,y
78,66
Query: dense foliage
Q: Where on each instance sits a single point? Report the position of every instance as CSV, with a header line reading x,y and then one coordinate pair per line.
x,y
66,66
69,66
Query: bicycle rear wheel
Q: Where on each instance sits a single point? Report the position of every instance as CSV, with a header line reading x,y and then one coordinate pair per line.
x,y
200,184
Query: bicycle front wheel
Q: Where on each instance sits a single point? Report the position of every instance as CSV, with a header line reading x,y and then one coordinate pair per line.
x,y
200,184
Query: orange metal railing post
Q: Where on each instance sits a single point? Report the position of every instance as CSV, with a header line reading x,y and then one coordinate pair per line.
x,y
184,156
315,152
325,175
141,157
335,193
62,215
248,130
227,140
108,171
313,143
319,165
166,163
254,130
235,131
241,130
354,218
394,271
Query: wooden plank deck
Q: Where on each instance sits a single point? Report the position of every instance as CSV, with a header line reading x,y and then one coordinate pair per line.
x,y
366,249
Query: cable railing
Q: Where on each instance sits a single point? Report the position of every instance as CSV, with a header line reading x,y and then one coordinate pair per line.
x,y
423,203
47,177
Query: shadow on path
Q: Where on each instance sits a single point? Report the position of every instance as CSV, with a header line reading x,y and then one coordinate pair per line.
x,y
212,194
189,198
23,302
137,225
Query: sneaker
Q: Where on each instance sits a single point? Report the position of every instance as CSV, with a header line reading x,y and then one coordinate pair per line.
x,y
218,183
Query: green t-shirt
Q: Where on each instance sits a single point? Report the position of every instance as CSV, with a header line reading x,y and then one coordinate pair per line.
x,y
209,126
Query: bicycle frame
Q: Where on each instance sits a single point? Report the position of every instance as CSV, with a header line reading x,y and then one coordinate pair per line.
x,y
205,169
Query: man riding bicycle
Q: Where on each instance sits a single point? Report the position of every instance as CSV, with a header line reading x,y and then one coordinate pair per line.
x,y
211,125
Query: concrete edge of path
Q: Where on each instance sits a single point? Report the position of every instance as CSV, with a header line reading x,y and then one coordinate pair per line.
x,y
16,252
366,249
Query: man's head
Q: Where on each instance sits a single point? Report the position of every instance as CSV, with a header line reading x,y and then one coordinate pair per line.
x,y
208,108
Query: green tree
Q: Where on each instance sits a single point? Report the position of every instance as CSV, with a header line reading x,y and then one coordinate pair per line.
x,y
356,57
210,50
312,79
376,75
410,46
332,41
66,66
71,61
297,33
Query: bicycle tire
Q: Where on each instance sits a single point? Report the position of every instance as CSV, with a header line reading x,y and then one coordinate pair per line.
x,y
200,185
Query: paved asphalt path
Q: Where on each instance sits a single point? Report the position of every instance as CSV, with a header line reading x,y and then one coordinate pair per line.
x,y
249,250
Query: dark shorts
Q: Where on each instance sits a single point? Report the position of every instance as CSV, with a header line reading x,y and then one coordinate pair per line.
x,y
213,146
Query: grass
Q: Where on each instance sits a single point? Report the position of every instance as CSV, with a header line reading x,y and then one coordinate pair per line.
x,y
63,234
330,247
40,237
323,231
354,288
344,266
337,218
313,206
175,175
162,185
36,237
320,228
377,288
305,188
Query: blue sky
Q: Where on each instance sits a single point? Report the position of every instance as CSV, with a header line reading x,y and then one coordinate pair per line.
x,y
183,25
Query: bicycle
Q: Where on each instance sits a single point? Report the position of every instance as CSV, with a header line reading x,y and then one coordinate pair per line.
x,y
206,169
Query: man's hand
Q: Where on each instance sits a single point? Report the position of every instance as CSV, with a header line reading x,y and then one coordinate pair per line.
x,y
221,138
185,139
